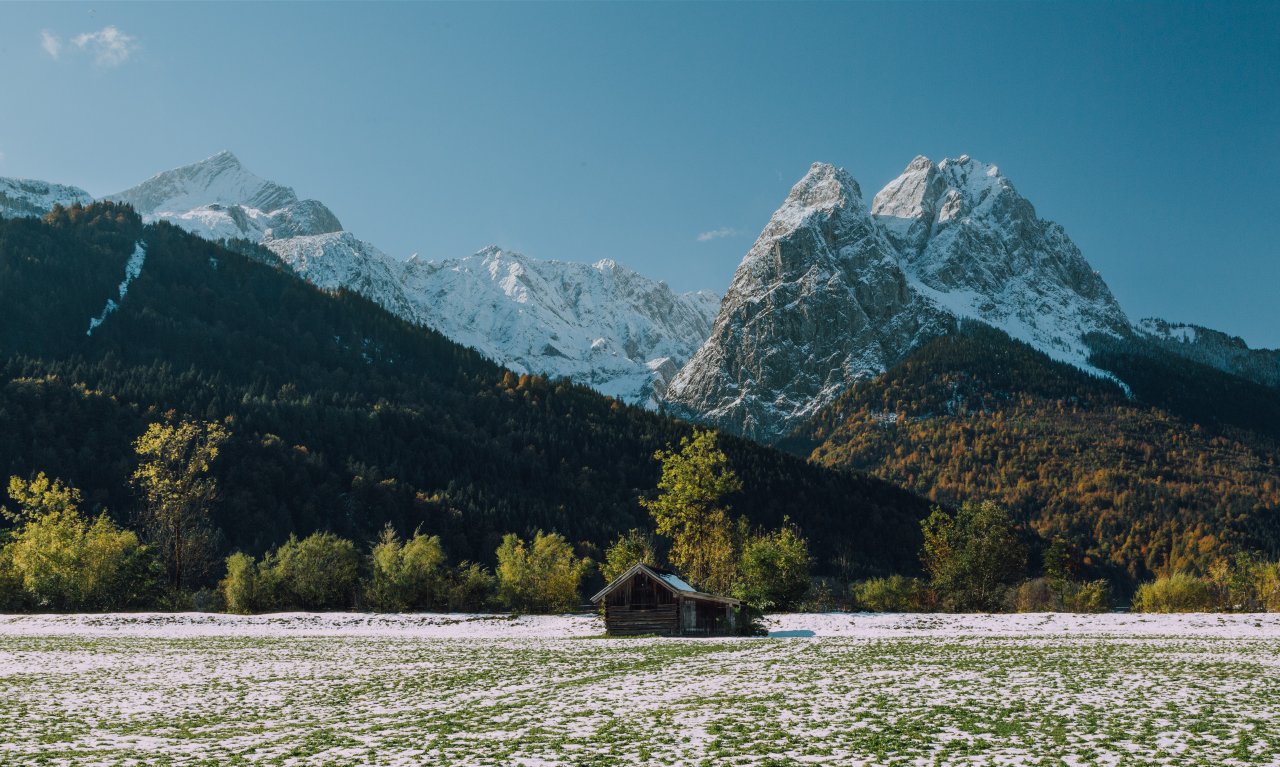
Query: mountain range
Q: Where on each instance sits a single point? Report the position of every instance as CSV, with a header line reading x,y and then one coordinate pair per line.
x,y
602,325
942,338
834,290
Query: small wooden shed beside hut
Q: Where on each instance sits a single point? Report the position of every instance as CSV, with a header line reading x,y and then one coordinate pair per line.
x,y
646,600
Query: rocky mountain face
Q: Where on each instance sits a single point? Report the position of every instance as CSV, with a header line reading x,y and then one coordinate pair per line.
x,y
969,241
819,300
602,324
833,291
27,197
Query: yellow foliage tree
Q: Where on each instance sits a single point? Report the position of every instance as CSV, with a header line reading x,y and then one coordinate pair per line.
x,y
178,494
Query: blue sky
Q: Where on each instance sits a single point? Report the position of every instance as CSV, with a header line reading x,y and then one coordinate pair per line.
x,y
578,132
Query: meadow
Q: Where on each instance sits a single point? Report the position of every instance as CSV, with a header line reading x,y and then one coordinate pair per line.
x,y
339,689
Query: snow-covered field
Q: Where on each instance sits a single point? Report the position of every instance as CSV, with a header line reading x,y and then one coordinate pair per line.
x,y
492,690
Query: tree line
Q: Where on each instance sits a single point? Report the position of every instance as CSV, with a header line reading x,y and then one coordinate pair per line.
x,y
1140,486
976,561
57,558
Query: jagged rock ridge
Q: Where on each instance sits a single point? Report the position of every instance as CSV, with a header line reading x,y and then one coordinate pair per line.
x,y
818,301
600,324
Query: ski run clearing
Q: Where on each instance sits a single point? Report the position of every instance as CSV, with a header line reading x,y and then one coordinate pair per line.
x,y
339,689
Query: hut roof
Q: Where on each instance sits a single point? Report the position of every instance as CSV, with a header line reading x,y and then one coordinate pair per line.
x,y
672,581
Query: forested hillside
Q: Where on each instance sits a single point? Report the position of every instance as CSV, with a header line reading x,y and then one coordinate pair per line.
x,y
343,417
1166,480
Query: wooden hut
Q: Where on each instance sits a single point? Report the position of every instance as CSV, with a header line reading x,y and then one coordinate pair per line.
x,y
646,600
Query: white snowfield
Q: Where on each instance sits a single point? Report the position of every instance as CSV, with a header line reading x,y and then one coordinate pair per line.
x,y
833,689
503,626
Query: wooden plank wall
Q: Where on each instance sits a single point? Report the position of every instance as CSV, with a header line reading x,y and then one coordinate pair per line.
x,y
627,621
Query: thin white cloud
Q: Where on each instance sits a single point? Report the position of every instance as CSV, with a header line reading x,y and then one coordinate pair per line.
x,y
716,234
110,47
51,44
1,156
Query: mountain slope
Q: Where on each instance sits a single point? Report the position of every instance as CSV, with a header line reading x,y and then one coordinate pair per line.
x,y
28,197
1137,487
1214,348
818,301
344,416
832,291
970,241
602,325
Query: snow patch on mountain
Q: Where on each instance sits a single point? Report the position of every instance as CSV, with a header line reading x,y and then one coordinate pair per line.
x,y
132,268
22,197
601,324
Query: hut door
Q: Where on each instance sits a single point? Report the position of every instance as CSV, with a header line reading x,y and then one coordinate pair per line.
x,y
689,621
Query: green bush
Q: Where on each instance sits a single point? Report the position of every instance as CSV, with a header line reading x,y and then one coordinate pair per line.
x,y
13,597
470,588
241,588
1044,595
1036,595
1267,583
773,573
541,577
1177,593
319,572
1089,597
405,576
895,594
67,563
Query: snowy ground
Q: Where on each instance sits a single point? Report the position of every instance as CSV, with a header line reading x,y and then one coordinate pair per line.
x,y
489,690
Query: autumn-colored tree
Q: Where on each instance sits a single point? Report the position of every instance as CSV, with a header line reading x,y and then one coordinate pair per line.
x,y
178,494
632,547
541,576
690,510
40,496
62,560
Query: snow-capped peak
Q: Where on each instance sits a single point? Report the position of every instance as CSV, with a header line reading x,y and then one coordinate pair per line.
x,y
219,198
823,189
973,244
219,179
